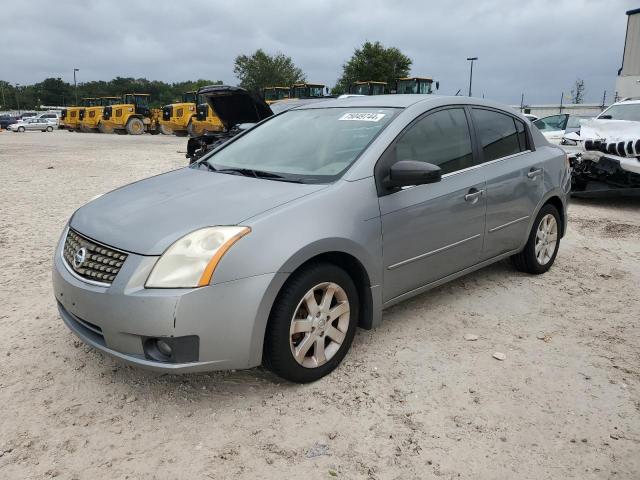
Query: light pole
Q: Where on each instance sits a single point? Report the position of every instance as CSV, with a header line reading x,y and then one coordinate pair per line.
x,y
471,59
18,97
75,85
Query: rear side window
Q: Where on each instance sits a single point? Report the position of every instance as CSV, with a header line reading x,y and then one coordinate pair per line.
x,y
441,138
497,134
522,135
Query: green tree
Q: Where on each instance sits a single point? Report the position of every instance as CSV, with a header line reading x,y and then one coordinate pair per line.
x,y
373,61
261,70
577,93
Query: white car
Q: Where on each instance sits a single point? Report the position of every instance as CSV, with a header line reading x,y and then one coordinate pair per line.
x,y
555,127
42,124
50,117
628,110
531,117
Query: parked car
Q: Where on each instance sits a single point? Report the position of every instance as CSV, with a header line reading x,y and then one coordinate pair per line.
x,y
27,115
32,124
52,118
628,110
555,127
6,120
275,246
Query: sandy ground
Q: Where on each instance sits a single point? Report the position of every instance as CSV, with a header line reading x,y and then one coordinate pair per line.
x,y
413,399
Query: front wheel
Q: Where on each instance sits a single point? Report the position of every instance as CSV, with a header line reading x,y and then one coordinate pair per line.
x,y
135,126
49,129
21,129
312,323
542,246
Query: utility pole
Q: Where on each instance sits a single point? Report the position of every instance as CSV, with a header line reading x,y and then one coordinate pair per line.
x,y
521,103
75,85
561,98
604,99
471,59
18,97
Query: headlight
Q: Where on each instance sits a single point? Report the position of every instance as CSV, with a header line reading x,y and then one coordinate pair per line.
x,y
191,261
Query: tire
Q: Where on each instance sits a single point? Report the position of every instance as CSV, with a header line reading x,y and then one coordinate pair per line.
x,y
135,126
527,260
49,129
336,334
21,129
102,128
165,130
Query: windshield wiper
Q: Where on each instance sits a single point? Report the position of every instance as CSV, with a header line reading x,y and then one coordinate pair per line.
x,y
248,172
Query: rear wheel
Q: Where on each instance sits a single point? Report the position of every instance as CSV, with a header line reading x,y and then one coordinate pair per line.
x,y
104,128
49,129
542,246
312,323
165,130
135,126
21,129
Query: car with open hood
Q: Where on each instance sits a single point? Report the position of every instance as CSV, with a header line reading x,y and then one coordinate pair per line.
x,y
276,245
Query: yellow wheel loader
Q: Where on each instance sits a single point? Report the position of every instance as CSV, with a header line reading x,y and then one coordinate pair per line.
x,y
177,117
133,116
369,87
205,121
307,90
273,94
91,116
70,116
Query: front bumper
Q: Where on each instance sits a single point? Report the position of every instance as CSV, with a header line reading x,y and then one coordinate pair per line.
x,y
228,318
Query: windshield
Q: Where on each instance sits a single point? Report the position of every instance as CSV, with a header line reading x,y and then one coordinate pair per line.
x,y
629,111
377,89
311,146
407,86
189,97
360,89
272,94
142,100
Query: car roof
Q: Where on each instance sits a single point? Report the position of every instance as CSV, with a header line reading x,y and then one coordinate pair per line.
x,y
403,101
627,102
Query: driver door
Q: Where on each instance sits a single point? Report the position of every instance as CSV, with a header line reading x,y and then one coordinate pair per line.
x,y
434,230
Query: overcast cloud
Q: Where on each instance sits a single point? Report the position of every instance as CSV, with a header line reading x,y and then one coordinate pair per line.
x,y
538,47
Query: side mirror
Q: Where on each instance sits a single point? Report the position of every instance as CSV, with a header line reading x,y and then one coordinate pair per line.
x,y
437,85
410,172
605,117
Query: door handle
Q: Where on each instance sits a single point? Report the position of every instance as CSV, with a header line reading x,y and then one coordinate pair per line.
x,y
534,172
473,195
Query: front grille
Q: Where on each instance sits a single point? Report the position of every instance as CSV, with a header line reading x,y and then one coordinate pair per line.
x,y
91,260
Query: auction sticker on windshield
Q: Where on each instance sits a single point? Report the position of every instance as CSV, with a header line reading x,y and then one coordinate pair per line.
x,y
363,117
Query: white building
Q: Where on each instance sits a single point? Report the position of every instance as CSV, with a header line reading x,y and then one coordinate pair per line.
x,y
628,81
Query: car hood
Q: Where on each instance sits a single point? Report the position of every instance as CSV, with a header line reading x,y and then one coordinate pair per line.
x,y
235,105
146,217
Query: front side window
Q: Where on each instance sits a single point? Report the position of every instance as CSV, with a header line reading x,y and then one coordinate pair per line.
x,y
313,145
549,124
407,86
496,133
625,111
441,138
425,87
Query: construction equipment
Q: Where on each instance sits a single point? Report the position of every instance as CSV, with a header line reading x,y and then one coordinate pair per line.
x,y
422,85
70,116
307,90
369,87
177,117
205,120
133,116
273,94
91,115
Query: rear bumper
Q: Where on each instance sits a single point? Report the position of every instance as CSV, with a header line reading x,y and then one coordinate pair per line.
x,y
229,318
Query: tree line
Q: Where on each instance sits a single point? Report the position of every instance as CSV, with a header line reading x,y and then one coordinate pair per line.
x,y
371,61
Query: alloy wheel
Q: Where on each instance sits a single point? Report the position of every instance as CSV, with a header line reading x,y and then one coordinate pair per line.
x,y
319,325
546,239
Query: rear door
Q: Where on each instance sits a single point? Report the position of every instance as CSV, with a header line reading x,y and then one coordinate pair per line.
x,y
431,231
514,174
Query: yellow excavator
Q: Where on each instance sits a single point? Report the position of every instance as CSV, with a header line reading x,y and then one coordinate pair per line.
x,y
91,115
70,116
273,94
422,85
369,87
177,117
133,116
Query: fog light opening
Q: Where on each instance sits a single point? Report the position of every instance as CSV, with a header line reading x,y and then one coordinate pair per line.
x,y
164,348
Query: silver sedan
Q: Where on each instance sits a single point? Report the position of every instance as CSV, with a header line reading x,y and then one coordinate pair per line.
x,y
275,246
32,124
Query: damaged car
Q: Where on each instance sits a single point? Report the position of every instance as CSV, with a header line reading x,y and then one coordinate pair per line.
x,y
238,110
605,153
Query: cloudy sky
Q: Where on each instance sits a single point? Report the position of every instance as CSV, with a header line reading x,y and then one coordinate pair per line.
x,y
538,47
